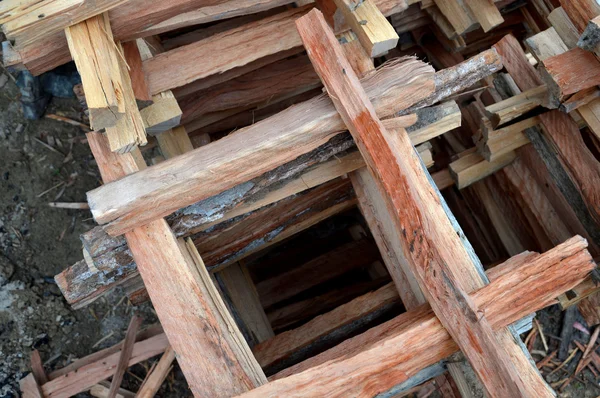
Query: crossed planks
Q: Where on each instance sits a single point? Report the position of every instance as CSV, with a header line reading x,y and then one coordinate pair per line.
x,y
429,240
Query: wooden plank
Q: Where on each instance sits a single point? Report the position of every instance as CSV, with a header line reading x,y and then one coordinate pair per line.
x,y
192,61
486,13
564,27
384,356
237,285
94,51
456,15
514,107
318,270
358,114
546,44
581,164
571,72
472,167
375,33
164,113
211,352
26,22
580,12
174,142
155,378
500,142
516,64
126,351
84,377
272,142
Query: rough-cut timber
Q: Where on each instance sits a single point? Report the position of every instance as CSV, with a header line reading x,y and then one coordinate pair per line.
x,y
97,60
580,12
570,72
375,33
388,354
249,152
432,244
211,351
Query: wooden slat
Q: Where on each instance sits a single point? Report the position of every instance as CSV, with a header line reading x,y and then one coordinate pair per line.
x,y
472,167
211,351
94,51
375,33
386,355
514,107
496,371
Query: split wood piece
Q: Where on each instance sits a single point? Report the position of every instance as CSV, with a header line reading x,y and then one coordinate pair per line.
x,y
472,167
276,81
37,368
101,391
590,38
129,131
30,388
570,72
581,164
432,122
498,375
83,378
514,107
157,375
564,27
455,79
268,36
174,142
580,12
500,142
52,51
235,282
546,44
425,153
456,14
359,310
388,354
163,114
97,59
374,31
211,351
485,12
26,22
269,144
136,73
319,270
578,102
126,351
516,63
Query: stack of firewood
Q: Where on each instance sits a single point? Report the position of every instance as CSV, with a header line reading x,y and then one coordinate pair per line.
x,y
294,211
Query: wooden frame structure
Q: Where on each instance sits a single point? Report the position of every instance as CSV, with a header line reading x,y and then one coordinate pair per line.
x,y
204,209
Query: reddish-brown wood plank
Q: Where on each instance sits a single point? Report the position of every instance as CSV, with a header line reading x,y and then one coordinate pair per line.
x,y
430,241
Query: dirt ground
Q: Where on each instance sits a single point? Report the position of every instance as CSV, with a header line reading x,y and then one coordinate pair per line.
x,y
40,162
44,161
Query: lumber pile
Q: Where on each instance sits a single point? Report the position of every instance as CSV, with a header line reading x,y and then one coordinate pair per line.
x,y
308,224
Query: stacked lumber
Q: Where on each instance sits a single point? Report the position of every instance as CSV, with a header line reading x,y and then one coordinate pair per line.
x,y
302,214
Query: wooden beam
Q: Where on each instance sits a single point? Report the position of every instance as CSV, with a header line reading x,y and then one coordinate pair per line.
x,y
486,13
388,354
471,167
174,142
570,72
500,142
318,270
564,27
237,285
375,33
211,351
458,17
514,60
546,44
217,166
498,374
514,107
580,12
95,54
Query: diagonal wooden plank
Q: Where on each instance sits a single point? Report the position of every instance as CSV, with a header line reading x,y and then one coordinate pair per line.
x,y
429,240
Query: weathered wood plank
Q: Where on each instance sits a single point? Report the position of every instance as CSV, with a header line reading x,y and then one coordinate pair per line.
x,y
250,152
